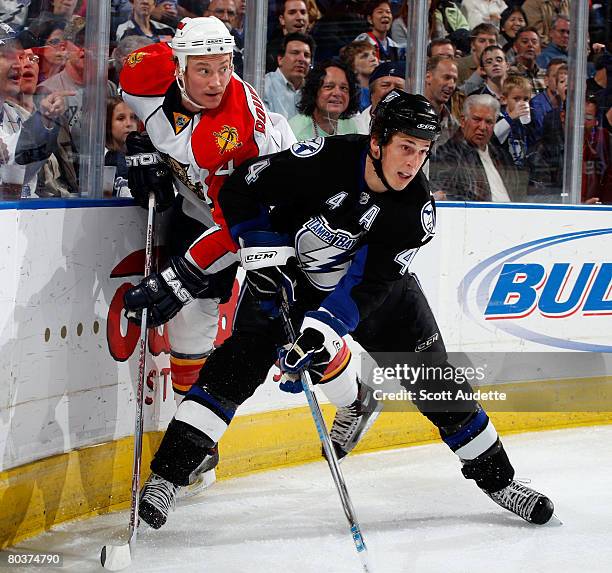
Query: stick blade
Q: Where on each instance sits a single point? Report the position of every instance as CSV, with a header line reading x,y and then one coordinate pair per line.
x,y
116,557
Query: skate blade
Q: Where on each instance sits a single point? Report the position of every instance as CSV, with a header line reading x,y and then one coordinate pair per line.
x,y
201,485
554,521
116,557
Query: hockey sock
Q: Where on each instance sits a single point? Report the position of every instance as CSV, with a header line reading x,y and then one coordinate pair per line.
x,y
339,382
210,415
476,442
181,452
491,470
184,369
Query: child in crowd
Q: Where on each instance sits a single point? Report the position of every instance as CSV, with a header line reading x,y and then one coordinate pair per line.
x,y
512,129
120,120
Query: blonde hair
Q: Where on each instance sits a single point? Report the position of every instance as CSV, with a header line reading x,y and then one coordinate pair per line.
x,y
515,81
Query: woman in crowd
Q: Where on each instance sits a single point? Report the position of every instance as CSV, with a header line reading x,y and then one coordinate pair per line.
x,y
330,97
512,20
379,16
361,58
51,49
120,120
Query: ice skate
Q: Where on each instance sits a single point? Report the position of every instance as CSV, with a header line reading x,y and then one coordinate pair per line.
x,y
353,421
157,497
203,477
525,502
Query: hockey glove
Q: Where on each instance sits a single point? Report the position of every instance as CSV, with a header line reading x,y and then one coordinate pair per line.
x,y
147,172
315,347
290,382
265,284
164,294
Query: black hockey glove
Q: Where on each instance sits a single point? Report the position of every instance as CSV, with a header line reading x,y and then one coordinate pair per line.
x,y
163,294
265,283
314,349
147,172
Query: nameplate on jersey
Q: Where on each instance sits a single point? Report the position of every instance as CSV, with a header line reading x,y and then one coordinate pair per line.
x,y
259,257
307,148
181,121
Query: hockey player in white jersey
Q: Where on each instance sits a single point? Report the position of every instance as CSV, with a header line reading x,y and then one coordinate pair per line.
x,y
201,122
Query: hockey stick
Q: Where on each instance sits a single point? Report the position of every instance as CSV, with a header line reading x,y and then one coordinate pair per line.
x,y
330,453
117,557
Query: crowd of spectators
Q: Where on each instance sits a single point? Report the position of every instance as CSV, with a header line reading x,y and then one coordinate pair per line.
x,y
496,74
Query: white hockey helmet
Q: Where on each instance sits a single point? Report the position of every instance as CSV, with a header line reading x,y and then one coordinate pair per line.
x,y
206,36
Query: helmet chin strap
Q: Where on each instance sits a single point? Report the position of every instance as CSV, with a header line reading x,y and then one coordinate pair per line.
x,y
378,169
180,80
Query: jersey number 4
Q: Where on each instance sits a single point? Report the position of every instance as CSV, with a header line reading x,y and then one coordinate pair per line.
x,y
226,169
404,259
255,169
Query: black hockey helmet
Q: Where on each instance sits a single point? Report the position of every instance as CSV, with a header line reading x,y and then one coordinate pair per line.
x,y
411,114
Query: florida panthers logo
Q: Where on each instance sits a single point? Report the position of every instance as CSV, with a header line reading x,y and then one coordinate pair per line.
x,y
227,139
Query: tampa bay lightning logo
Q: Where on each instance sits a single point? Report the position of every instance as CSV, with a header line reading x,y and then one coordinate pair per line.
x,y
324,253
308,148
428,220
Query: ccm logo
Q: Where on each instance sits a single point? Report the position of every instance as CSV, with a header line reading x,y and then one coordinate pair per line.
x,y
142,159
426,126
215,41
260,256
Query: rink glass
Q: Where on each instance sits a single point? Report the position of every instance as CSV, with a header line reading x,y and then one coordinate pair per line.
x,y
76,167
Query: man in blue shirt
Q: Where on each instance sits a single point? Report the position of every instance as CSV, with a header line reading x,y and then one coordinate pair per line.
x,y
283,86
559,40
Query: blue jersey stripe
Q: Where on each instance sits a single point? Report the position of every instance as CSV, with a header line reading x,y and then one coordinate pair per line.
x,y
463,436
340,302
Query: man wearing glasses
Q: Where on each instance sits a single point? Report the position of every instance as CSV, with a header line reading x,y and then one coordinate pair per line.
x,y
559,41
22,131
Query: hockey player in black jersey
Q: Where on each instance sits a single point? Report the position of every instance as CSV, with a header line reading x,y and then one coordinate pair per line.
x,y
356,209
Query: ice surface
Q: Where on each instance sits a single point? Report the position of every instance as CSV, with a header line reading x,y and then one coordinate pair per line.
x,y
417,513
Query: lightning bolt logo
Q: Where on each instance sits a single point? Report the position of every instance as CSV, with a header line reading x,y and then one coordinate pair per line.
x,y
322,260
